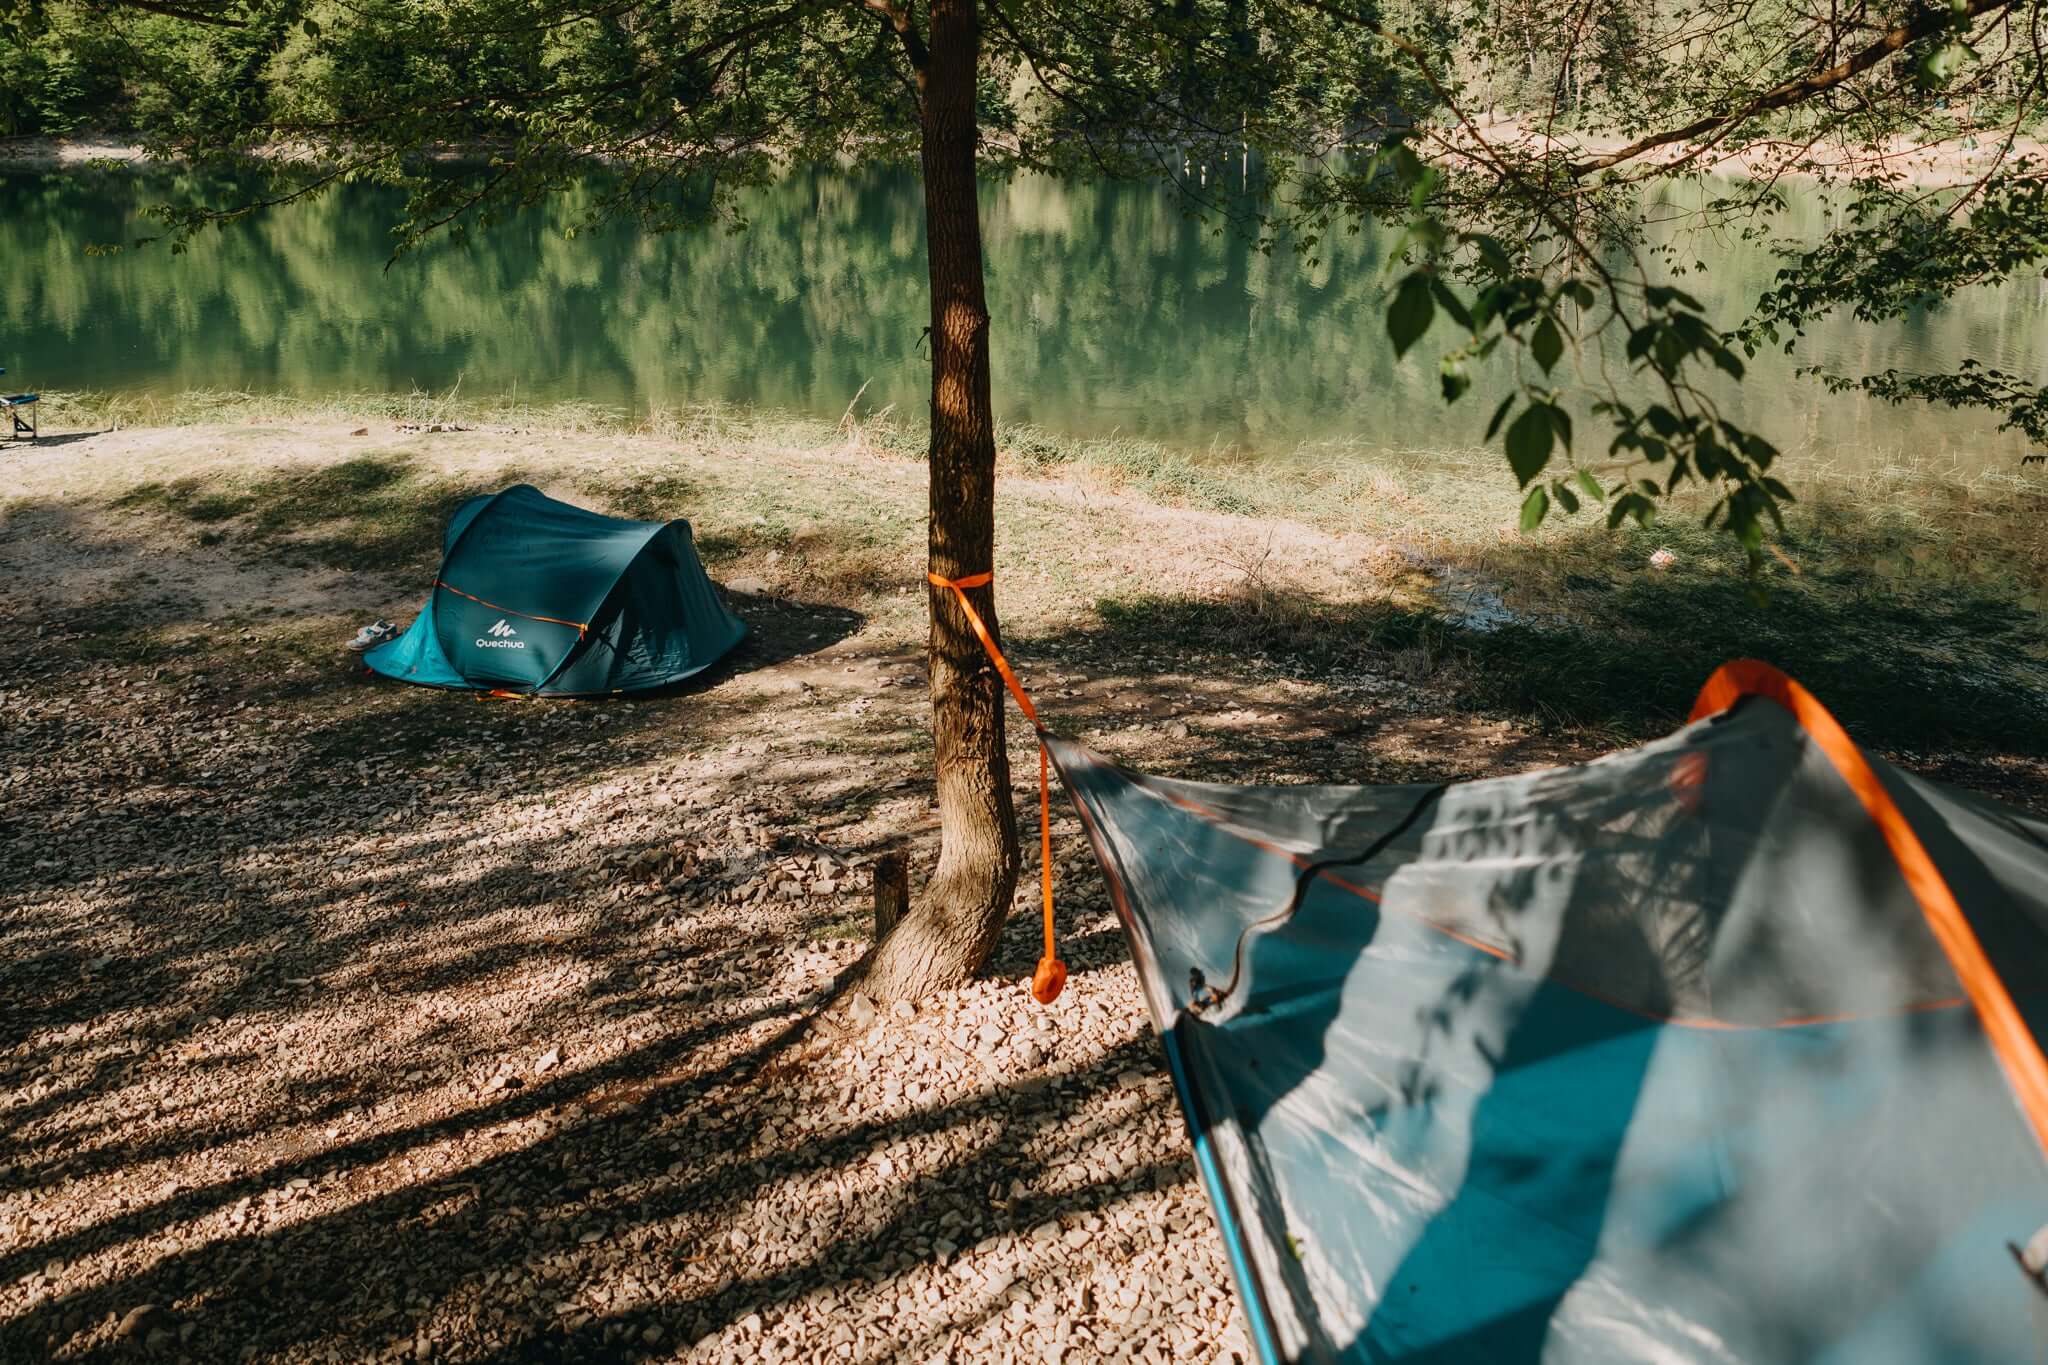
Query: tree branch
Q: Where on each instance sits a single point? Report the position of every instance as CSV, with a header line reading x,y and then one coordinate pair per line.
x,y
170,11
898,19
1801,90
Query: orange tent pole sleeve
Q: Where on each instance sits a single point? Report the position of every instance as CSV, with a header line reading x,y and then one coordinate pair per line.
x,y
580,627
1051,975
2026,1070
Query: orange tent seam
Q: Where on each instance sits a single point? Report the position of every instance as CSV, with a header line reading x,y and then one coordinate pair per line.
x,y
2026,1070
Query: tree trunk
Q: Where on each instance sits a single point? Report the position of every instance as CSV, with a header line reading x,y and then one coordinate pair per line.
x,y
951,930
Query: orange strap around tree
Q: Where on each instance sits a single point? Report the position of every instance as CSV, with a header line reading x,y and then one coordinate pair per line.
x,y
1052,973
2026,1070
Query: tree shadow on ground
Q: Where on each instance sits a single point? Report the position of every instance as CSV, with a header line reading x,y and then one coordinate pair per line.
x,y
1175,687
1916,619
169,942
611,1183
381,510
1954,679
48,438
546,1207
181,855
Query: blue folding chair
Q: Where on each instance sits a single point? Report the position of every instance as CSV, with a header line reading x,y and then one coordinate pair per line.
x,y
21,414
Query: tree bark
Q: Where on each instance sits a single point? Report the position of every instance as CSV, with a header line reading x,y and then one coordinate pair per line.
x,y
952,928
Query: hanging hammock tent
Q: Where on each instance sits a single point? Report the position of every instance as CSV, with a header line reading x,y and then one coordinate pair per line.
x,y
540,597
1676,1056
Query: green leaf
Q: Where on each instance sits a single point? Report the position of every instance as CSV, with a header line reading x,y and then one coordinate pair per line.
x,y
1499,414
1411,312
1631,505
1456,378
1534,508
1743,522
1561,423
1591,486
1565,497
1529,440
1427,231
1664,296
1450,302
1492,254
1939,66
1548,343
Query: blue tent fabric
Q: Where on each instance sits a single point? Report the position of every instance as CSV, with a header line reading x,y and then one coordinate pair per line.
x,y
539,596
1650,1059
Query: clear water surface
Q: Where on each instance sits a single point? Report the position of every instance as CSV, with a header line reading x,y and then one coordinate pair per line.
x,y
1114,313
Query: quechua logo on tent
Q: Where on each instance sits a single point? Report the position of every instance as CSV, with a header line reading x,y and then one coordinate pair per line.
x,y
503,634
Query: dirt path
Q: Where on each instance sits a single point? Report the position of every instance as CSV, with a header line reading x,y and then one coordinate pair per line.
x,y
344,1021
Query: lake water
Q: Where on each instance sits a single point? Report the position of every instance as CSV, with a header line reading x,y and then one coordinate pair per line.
x,y
1113,313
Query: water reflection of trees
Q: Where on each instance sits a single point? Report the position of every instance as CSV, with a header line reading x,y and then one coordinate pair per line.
x,y
1114,311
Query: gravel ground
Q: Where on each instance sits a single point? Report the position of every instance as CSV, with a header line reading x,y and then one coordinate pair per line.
x,y
341,1021
428,1064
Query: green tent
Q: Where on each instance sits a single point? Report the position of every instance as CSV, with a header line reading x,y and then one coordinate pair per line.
x,y
537,596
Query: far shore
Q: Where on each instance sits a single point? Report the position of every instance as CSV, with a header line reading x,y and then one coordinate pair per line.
x,y
1931,163
48,153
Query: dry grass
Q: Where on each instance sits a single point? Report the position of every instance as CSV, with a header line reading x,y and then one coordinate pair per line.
x,y
1898,592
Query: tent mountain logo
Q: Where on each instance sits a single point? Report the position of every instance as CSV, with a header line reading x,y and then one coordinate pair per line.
x,y
503,633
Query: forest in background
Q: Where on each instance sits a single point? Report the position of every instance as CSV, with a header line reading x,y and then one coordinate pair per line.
x,y
91,69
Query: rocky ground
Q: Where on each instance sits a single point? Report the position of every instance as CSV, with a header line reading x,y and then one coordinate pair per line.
x,y
344,1021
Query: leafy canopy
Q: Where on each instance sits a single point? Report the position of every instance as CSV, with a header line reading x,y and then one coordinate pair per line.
x,y
1520,143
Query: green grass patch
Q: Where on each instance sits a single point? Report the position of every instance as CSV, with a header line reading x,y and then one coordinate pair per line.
x,y
1910,600
232,407
1147,467
645,495
1963,673
840,925
706,424
194,499
376,511
380,510
1904,675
